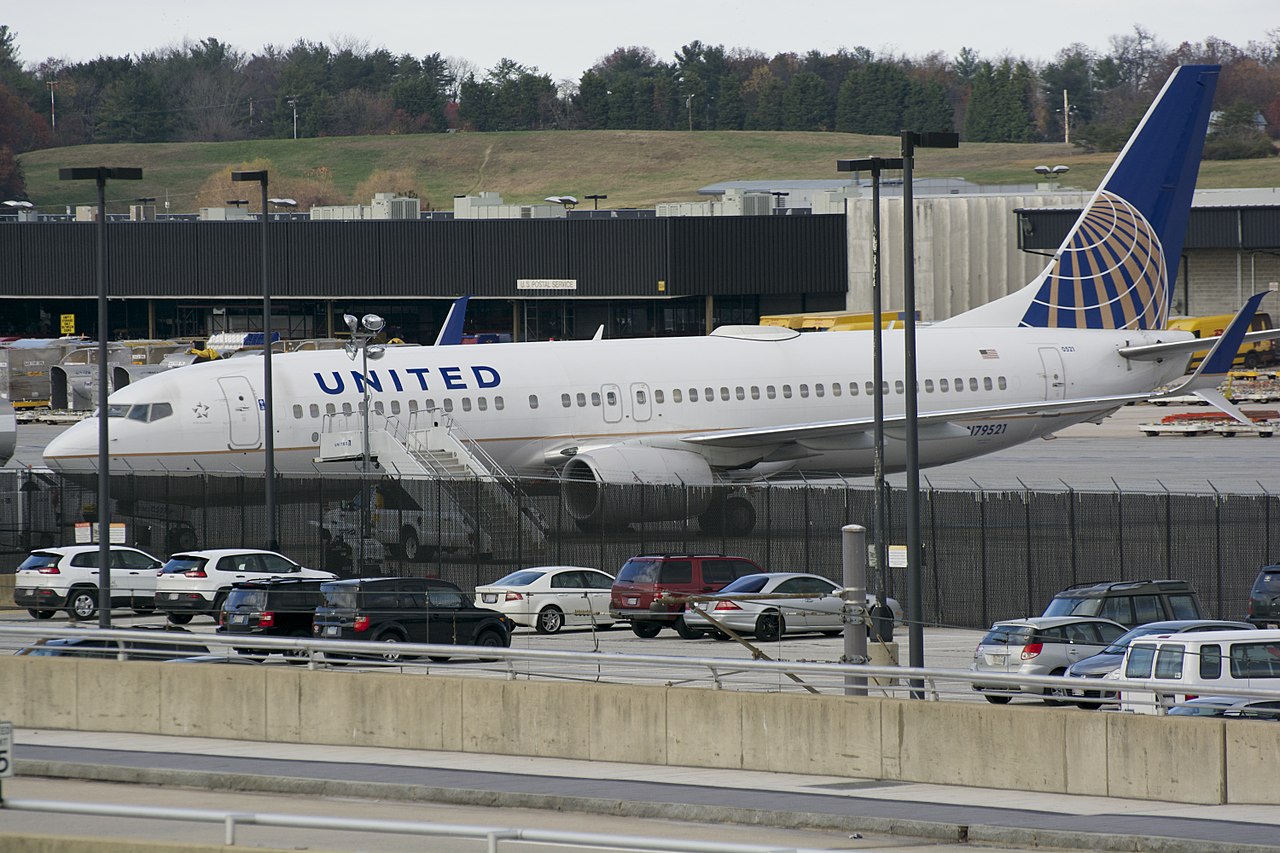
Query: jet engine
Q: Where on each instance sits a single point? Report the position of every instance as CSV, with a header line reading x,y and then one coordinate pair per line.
x,y
613,486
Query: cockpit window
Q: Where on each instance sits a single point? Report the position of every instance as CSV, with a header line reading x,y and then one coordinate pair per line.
x,y
141,412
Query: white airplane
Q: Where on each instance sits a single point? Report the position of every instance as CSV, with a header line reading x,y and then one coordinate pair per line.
x,y
1084,338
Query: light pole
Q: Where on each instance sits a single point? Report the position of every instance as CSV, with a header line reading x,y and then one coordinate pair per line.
x,y
595,200
688,102
363,331
101,174
53,108
876,165
912,140
268,398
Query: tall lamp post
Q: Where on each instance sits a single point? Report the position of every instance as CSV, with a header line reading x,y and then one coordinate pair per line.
x,y
911,140
268,401
595,200
363,331
876,165
101,174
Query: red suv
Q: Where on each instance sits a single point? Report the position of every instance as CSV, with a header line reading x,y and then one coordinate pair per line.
x,y
640,593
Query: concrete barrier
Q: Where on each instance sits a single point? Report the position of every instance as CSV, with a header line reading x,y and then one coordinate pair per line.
x,y
1060,750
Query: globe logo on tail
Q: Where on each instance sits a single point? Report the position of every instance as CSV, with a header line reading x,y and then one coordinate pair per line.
x,y
1110,273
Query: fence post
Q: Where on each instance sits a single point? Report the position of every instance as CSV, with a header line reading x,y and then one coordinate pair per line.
x,y
982,551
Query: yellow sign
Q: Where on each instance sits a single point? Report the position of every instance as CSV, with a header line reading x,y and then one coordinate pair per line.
x,y
68,324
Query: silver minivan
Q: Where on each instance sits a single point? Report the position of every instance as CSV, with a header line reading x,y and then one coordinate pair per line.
x,y
1042,645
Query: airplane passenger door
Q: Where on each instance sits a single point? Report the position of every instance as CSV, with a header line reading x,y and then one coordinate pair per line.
x,y
242,412
1055,375
612,408
641,407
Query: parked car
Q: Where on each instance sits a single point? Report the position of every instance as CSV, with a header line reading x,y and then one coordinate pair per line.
x,y
198,581
1109,659
548,598
814,605
406,610
278,607
1184,666
1129,602
1044,645
94,647
1228,706
51,579
1264,598
642,593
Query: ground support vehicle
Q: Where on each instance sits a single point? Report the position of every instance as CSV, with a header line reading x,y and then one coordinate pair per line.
x,y
1265,424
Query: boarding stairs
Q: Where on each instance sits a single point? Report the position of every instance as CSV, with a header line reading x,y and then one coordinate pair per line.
x,y
431,444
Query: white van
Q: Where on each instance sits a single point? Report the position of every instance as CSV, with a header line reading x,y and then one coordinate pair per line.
x,y
1197,664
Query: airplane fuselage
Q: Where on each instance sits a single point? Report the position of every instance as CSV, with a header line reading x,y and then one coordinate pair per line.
x,y
530,404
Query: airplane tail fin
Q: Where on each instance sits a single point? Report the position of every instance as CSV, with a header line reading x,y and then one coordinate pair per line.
x,y
1117,267
451,331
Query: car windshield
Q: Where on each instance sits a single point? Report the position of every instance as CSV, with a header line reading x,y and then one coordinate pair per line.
x,y
639,571
1122,642
746,584
1007,635
39,561
524,577
341,597
1073,607
246,599
182,563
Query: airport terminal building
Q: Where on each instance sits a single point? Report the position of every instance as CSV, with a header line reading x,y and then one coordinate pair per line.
x,y
539,272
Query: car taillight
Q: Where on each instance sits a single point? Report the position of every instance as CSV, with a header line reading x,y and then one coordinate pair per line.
x,y
514,596
267,619
194,573
49,570
222,618
362,623
727,605
1189,696
1030,650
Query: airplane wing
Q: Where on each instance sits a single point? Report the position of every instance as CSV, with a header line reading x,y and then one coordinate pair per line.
x,y
952,421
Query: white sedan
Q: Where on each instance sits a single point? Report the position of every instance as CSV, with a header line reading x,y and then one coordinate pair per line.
x,y
547,598
805,603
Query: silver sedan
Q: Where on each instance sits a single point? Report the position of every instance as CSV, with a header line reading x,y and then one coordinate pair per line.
x,y
800,603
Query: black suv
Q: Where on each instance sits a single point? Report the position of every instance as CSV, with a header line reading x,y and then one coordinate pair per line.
x,y
1130,603
280,607
406,610
1264,598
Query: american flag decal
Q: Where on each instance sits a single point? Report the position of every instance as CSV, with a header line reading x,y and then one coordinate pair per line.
x,y
988,353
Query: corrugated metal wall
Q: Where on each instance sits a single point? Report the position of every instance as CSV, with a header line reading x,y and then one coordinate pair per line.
x,y
615,257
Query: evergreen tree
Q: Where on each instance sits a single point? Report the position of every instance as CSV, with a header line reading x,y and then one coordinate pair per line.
x,y
729,110
809,105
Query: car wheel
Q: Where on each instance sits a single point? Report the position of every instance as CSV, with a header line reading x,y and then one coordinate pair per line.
x,y
409,545
82,603
720,635
180,618
297,655
647,630
491,640
685,632
218,601
41,614
769,627
550,620
392,654
439,658
997,700
1057,695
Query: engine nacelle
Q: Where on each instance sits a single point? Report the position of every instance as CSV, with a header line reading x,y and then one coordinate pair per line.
x,y
617,485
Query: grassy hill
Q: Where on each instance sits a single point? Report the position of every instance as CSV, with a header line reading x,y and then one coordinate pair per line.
x,y
634,168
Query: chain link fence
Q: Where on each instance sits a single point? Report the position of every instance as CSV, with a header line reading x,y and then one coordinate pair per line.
x,y
988,555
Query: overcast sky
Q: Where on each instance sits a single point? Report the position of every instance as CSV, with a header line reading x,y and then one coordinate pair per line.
x,y
563,38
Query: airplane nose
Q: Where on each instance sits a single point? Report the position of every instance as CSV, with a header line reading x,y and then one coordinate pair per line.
x,y
74,448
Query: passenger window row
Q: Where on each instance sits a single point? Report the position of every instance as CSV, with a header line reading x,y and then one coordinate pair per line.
x,y
466,404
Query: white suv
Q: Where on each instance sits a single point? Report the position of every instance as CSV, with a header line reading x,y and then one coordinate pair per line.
x,y
198,581
51,579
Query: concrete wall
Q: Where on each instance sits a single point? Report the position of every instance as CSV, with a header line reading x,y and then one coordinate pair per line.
x,y
1064,750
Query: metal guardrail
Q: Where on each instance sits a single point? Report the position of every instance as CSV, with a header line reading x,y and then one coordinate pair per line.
x,y
720,673
491,835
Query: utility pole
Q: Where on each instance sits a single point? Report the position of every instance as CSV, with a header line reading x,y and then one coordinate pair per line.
x,y
1066,118
688,102
293,102
53,112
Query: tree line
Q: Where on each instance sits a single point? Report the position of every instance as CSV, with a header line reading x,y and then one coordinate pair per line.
x,y
208,91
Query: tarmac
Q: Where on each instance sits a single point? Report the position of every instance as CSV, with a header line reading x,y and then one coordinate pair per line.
x,y
944,814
